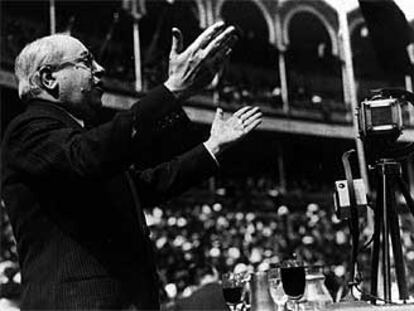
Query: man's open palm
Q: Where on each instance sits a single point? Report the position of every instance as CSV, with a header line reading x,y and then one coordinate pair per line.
x,y
242,122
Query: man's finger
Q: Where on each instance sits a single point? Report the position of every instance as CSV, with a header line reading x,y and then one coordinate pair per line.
x,y
239,112
217,57
222,49
207,35
253,118
252,125
249,113
222,42
216,65
177,41
219,114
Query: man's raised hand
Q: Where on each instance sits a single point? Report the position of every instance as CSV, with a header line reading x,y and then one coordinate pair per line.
x,y
195,67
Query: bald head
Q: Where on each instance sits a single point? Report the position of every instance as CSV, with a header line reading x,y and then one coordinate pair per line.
x,y
44,51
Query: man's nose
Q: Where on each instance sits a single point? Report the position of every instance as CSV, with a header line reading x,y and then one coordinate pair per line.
x,y
98,70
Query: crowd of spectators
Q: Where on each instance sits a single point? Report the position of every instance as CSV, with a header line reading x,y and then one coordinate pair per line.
x,y
231,237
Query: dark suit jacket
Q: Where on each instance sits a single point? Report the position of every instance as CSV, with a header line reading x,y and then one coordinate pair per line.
x,y
76,206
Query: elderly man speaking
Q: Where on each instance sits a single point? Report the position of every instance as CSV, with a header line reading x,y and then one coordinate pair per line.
x,y
74,199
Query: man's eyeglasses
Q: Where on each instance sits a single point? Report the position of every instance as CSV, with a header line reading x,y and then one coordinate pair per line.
x,y
86,59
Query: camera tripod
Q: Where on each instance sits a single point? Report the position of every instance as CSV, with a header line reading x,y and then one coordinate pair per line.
x,y
386,228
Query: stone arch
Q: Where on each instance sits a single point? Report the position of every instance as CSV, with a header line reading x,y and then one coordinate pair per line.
x,y
262,7
355,19
201,11
309,8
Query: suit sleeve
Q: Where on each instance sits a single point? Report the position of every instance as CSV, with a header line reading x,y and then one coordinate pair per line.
x,y
171,178
45,147
179,134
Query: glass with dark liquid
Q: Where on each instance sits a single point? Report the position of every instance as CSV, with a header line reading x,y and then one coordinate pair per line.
x,y
293,280
233,295
233,287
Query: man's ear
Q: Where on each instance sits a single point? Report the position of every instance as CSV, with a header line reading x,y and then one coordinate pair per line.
x,y
47,79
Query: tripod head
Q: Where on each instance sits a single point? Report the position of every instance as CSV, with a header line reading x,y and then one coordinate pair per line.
x,y
381,123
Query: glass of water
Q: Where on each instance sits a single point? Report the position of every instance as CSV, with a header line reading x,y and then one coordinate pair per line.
x,y
276,288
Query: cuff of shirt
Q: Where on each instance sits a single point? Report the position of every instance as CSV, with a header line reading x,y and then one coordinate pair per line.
x,y
212,154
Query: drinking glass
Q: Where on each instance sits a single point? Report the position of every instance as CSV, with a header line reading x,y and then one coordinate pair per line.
x,y
293,280
233,286
276,289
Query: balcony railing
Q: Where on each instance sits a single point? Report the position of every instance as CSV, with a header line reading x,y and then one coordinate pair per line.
x,y
311,95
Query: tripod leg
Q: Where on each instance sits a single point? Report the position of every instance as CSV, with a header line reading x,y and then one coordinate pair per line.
x,y
396,245
386,264
376,244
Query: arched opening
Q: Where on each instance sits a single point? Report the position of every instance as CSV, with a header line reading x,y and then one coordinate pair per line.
x,y
368,72
155,34
314,73
21,23
252,71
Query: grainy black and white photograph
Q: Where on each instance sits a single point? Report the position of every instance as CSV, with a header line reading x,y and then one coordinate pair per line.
x,y
216,155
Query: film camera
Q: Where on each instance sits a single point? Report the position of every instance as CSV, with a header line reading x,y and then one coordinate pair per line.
x,y
381,122
382,114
